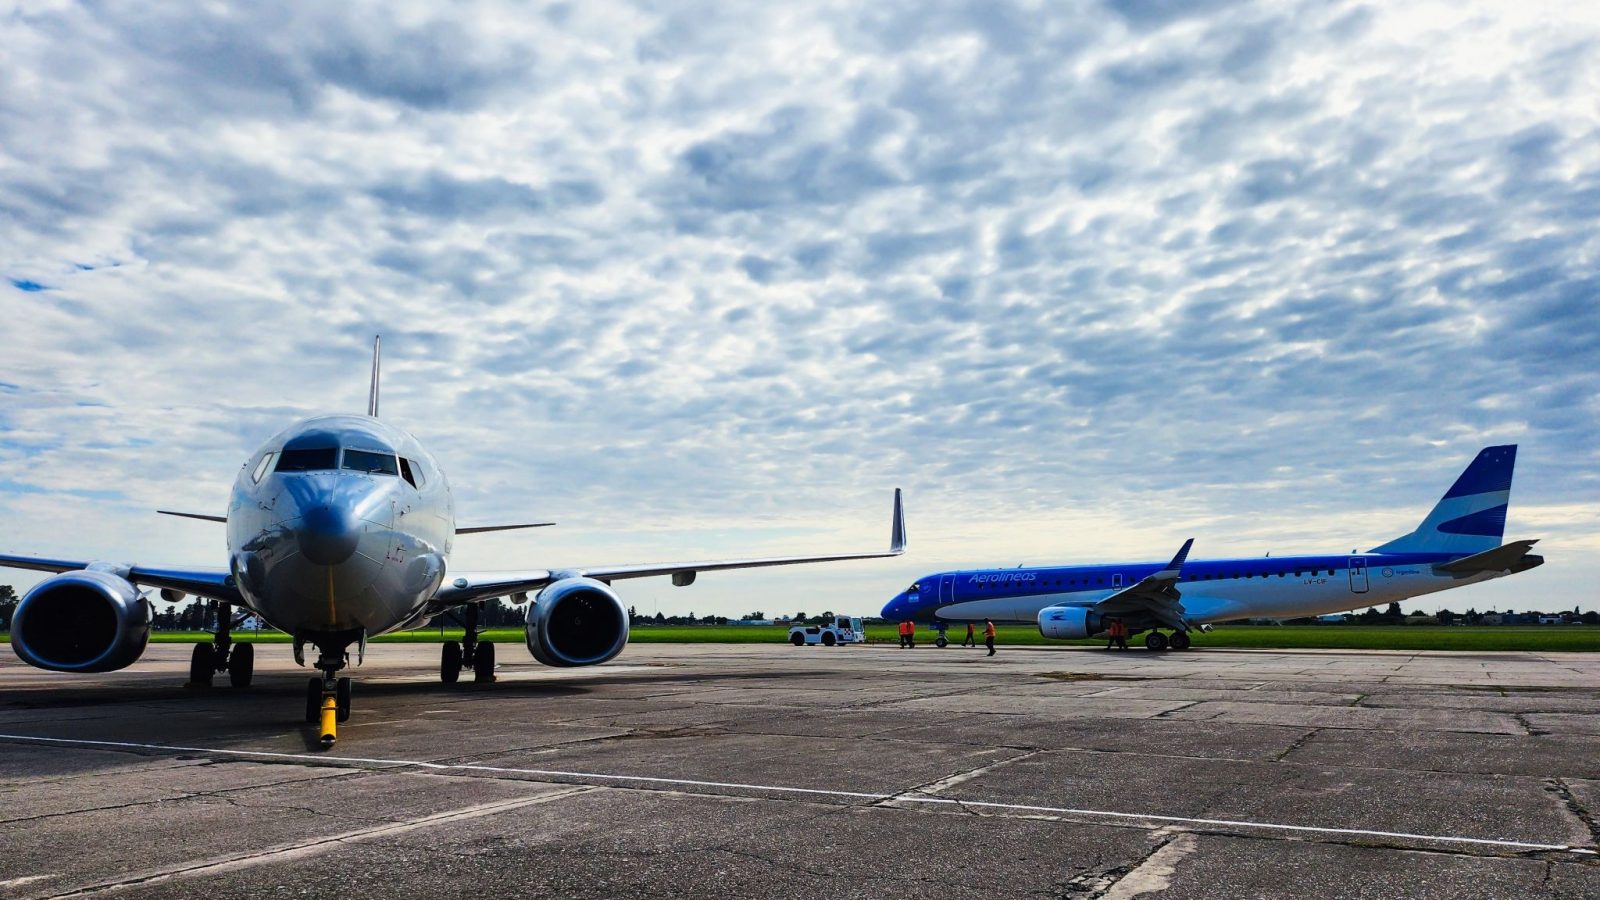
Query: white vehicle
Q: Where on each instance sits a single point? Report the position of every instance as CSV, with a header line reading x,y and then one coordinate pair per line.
x,y
842,630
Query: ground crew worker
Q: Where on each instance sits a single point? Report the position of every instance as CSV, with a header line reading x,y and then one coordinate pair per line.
x,y
1118,632
988,635
907,631
972,640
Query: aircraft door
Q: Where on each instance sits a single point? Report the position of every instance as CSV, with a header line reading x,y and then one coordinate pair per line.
x,y
1358,575
947,590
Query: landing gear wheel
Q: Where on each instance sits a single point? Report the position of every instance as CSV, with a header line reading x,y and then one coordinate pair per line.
x,y
313,700
797,639
241,665
342,699
1180,640
202,665
828,639
941,643
450,662
483,663
1155,640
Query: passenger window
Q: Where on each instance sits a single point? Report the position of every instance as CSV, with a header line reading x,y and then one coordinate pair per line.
x,y
262,467
310,460
370,462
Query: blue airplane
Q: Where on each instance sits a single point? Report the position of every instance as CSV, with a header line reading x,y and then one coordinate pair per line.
x,y
1459,543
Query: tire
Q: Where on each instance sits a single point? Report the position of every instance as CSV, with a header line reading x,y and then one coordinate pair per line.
x,y
202,665
450,662
1156,641
797,639
483,663
314,700
242,665
342,699
1180,640
941,643
828,639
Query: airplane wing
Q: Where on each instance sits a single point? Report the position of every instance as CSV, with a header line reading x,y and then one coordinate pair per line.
x,y
480,529
467,587
188,515
1155,595
216,584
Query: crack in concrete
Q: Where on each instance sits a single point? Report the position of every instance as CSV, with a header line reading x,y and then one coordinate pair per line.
x,y
1096,882
1563,792
1298,743
1527,727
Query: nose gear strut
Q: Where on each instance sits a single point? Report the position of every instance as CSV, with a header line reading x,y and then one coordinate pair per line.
x,y
328,694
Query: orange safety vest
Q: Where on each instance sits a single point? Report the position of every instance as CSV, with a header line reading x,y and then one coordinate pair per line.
x,y
988,630
905,628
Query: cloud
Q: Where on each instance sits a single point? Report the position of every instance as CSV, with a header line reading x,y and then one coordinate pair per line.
x,y
705,281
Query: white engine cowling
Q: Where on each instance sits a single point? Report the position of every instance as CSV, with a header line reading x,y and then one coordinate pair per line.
x,y
576,622
84,621
1067,622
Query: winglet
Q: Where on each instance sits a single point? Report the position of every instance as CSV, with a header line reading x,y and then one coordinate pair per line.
x,y
897,531
1176,566
372,395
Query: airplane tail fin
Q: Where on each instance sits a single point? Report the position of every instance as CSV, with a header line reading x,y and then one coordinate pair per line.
x,y
1471,516
372,395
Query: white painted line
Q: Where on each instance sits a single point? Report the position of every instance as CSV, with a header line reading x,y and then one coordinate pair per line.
x,y
823,792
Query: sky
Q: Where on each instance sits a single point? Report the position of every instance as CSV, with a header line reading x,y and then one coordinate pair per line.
x,y
706,280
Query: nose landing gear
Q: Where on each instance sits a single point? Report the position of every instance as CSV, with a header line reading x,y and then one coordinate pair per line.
x,y
222,655
328,697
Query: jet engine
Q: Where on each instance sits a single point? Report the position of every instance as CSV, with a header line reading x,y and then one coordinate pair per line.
x,y
576,622
82,621
1069,622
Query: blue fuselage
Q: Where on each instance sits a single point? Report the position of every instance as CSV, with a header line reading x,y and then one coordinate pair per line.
x,y
1212,590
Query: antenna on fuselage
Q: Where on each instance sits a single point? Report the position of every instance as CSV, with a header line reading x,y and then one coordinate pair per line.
x,y
372,396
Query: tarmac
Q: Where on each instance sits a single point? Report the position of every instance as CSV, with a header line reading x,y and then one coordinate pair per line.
x,y
774,771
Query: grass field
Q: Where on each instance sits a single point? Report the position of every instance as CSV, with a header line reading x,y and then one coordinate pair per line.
x,y
1331,637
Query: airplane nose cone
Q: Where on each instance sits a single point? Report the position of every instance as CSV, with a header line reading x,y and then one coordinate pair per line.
x,y
328,535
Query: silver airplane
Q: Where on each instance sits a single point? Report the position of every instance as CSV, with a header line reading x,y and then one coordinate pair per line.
x,y
340,529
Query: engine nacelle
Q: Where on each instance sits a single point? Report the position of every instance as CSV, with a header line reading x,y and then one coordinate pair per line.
x,y
576,622
1068,622
83,621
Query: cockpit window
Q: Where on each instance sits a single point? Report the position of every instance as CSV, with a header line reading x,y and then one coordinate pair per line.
x,y
308,459
408,472
915,588
262,467
370,462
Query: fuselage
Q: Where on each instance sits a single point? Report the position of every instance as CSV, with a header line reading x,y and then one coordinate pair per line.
x,y
340,524
1212,590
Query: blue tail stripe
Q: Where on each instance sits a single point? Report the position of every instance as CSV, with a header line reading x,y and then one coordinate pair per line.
x,y
1490,472
1490,522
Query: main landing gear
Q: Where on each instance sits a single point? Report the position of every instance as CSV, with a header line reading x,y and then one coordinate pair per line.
x,y
222,655
470,651
1157,641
